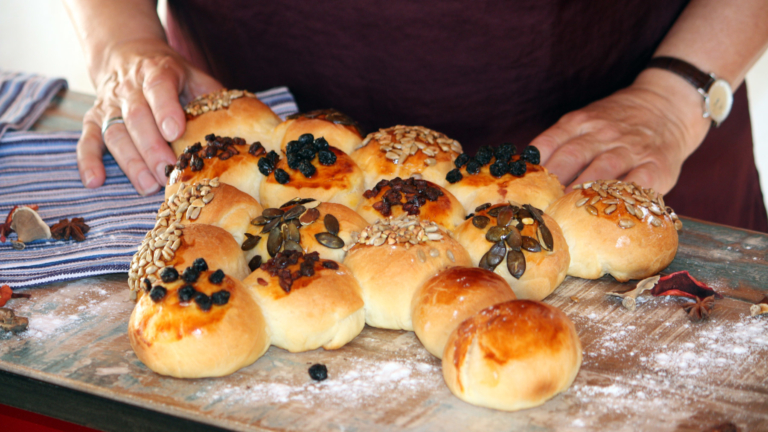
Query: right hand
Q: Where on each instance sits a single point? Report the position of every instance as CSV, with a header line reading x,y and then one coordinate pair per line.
x,y
145,83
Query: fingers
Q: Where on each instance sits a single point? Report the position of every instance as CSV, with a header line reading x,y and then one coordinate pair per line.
x,y
572,157
648,175
612,164
551,139
120,144
90,152
143,131
199,83
161,91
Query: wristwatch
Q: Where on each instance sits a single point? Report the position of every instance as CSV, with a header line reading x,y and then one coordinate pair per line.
x,y
717,93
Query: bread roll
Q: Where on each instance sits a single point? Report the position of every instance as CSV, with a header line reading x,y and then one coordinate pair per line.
x,y
227,207
390,270
380,158
616,228
512,356
206,328
312,228
308,303
539,268
418,197
341,182
338,129
228,160
217,246
450,297
496,175
234,113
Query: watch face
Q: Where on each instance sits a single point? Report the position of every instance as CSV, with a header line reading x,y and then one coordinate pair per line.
x,y
719,100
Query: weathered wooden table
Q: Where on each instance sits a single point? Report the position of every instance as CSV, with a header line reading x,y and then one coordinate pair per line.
x,y
651,369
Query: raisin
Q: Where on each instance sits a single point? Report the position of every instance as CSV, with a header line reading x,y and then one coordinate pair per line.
x,y
504,152
518,168
326,157
532,155
294,161
307,169
186,293
461,160
203,301
168,170
330,265
169,274
484,155
200,265
305,139
210,137
498,169
190,275
281,176
473,167
320,144
157,293
216,277
220,298
292,147
196,163
147,284
454,176
265,166
318,372
255,149
273,157
307,153
194,148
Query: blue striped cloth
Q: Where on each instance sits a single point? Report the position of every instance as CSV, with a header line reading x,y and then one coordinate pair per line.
x,y
23,98
41,168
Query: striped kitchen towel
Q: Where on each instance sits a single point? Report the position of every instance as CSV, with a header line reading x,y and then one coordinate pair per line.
x,y
41,168
23,98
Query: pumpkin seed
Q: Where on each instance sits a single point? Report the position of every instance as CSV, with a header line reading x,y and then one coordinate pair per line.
x,y
482,207
272,213
545,237
274,241
494,256
514,239
496,234
294,212
516,263
309,216
297,201
331,224
329,240
292,233
505,217
251,242
271,225
530,244
260,220
254,263
494,212
291,245
535,213
480,221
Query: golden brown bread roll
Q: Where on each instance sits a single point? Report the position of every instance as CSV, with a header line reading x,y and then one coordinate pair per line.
x,y
315,223
341,182
416,197
538,257
616,228
307,302
229,160
172,243
392,259
450,297
536,186
206,327
234,113
405,151
338,129
512,356
219,205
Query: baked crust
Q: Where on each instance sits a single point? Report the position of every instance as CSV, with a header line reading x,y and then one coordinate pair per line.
x,y
344,135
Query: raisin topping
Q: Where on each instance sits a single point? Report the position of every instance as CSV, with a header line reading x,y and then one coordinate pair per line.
x,y
169,169
415,192
265,166
200,265
532,155
187,293
256,149
278,267
499,168
157,293
190,275
474,166
220,298
484,155
321,144
318,372
461,160
147,285
326,157
518,168
454,175
331,265
281,176
216,277
203,301
169,274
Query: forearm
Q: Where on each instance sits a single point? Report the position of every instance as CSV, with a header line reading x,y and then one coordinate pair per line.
x,y
104,25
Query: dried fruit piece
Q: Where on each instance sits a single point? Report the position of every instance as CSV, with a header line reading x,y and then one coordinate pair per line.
x,y
684,285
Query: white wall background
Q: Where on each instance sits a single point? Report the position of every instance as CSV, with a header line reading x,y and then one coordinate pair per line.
x,y
37,36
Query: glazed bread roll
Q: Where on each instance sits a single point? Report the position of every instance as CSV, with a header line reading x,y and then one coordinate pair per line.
x,y
228,160
496,175
337,129
405,151
450,297
304,225
391,266
197,324
519,243
212,203
415,197
234,113
616,228
336,179
512,356
308,303
174,244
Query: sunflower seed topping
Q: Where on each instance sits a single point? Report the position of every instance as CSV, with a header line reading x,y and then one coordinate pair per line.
x,y
400,142
610,195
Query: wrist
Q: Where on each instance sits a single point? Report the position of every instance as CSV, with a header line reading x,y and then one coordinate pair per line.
x,y
121,55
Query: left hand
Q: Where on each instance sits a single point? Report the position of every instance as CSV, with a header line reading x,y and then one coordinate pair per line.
x,y
640,134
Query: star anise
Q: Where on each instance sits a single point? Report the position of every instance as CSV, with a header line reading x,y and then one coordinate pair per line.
x,y
700,310
64,229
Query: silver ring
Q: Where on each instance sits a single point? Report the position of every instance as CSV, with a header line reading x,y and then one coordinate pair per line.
x,y
109,122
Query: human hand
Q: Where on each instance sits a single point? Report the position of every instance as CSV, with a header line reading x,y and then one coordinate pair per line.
x,y
640,134
142,82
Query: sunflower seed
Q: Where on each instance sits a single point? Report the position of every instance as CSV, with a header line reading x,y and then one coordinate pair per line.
x,y
164,213
610,209
678,224
581,202
449,253
422,256
331,224
434,253
208,197
434,236
655,221
591,210
329,240
594,200
626,223
516,263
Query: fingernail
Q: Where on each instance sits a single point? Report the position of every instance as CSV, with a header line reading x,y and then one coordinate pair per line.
x,y
170,129
147,184
89,179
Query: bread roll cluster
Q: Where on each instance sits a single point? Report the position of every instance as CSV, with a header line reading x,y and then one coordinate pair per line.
x,y
299,233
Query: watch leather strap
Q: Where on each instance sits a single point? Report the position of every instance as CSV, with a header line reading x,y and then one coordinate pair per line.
x,y
692,74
